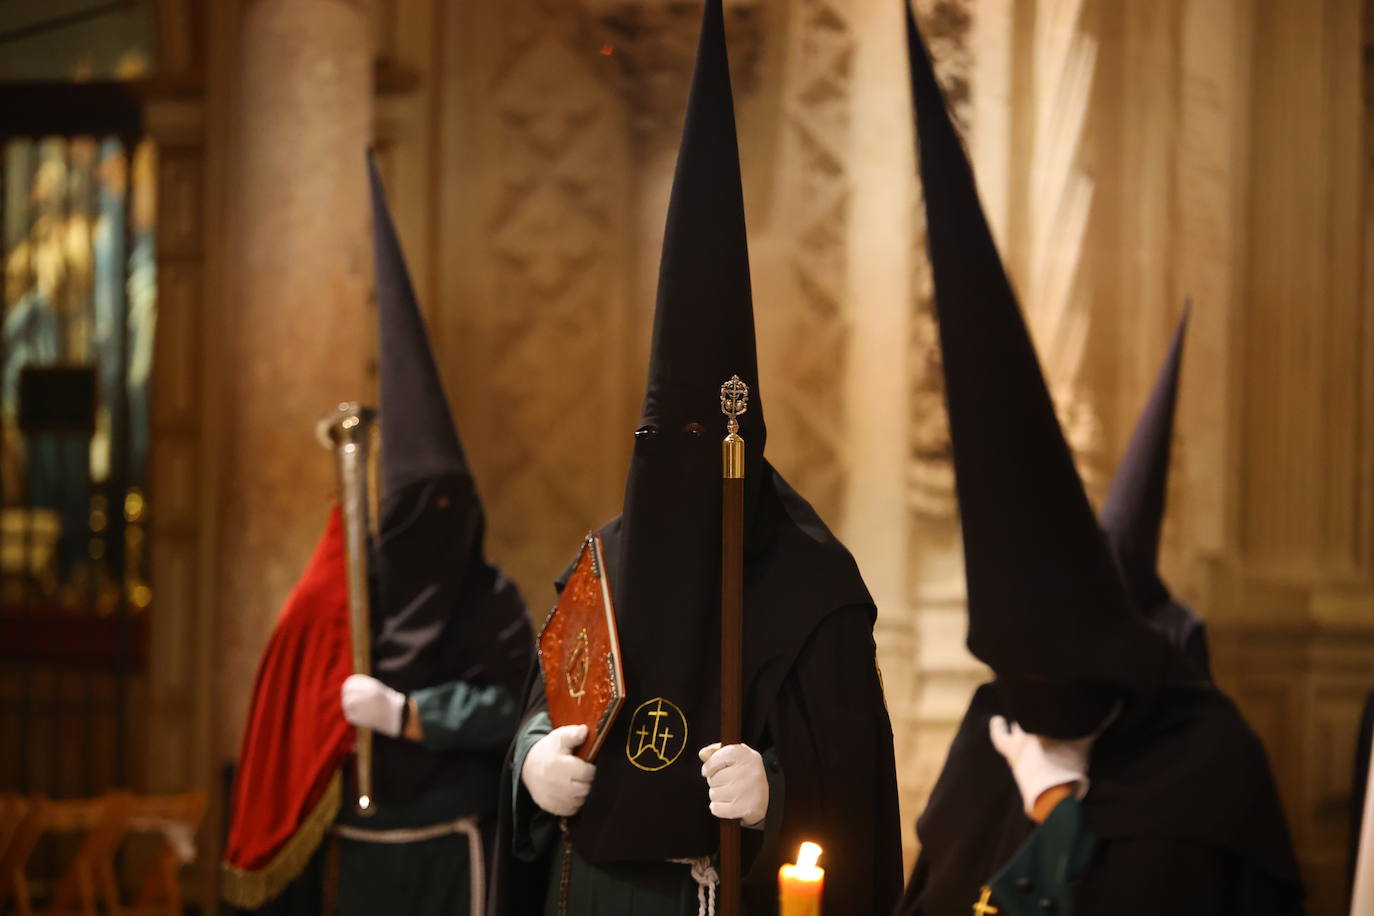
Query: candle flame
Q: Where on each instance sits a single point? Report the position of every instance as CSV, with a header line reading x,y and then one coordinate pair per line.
x,y
808,855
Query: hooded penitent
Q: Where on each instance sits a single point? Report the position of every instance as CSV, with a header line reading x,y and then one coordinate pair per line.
x,y
1182,801
1133,514
1048,611
811,693
666,553
440,611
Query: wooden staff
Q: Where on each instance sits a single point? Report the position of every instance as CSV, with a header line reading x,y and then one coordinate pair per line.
x,y
347,432
734,400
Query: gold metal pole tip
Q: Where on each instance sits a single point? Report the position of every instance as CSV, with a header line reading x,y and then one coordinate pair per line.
x,y
734,401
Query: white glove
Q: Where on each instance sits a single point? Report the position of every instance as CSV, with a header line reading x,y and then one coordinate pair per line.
x,y
557,781
738,784
368,703
1038,763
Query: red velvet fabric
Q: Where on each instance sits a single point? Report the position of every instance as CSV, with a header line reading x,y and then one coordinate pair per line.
x,y
297,737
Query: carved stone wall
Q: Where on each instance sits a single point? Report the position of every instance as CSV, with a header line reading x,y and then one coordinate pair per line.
x,y
803,309
533,309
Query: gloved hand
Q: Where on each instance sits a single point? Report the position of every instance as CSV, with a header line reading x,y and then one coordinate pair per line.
x,y
738,784
557,781
1040,763
368,703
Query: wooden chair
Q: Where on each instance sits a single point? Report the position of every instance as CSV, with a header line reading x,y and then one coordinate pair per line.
x,y
30,815
89,876
161,891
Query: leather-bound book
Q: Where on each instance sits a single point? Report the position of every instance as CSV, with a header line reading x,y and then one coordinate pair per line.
x,y
579,653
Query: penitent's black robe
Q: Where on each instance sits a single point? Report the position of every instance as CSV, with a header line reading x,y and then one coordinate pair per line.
x,y
1182,804
818,703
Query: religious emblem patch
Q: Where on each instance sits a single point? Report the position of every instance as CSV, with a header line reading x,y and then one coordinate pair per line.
x,y
984,907
658,733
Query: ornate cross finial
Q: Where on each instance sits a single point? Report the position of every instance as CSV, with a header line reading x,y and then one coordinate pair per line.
x,y
734,401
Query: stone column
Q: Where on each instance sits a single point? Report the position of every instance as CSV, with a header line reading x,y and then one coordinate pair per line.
x,y
876,520
299,337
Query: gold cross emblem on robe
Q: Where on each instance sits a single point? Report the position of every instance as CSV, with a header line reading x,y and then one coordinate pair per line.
x,y
982,907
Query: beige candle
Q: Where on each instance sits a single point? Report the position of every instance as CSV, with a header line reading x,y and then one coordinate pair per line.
x,y
799,886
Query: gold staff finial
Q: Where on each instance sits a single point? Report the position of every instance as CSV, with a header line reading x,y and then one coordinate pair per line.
x,y
734,400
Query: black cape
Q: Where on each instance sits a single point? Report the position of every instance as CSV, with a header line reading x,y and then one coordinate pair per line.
x,y
814,695
1182,802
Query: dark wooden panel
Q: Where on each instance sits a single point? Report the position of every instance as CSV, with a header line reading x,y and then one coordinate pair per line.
x,y
44,636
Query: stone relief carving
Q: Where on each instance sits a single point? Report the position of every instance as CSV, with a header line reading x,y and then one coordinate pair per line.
x,y
807,386
1059,202
552,227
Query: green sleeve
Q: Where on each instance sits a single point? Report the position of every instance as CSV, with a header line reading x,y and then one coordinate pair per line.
x,y
463,716
534,827
1044,874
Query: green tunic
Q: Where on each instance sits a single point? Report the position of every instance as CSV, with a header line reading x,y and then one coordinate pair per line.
x,y
614,889
431,877
1044,874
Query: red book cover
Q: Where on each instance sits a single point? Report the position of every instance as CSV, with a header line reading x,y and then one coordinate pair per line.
x,y
579,652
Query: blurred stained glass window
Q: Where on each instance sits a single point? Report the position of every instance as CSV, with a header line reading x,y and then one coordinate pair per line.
x,y
80,309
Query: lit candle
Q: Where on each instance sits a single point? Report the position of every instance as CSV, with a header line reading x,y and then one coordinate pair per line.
x,y
799,886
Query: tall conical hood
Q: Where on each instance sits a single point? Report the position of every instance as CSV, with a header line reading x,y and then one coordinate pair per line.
x,y
704,318
670,523
1133,514
440,611
1047,608
418,437
664,550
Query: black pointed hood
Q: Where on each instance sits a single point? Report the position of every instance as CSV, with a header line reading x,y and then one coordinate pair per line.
x,y
440,611
419,440
1133,514
664,549
1047,608
704,317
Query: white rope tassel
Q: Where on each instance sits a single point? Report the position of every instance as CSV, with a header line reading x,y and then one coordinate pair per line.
x,y
704,874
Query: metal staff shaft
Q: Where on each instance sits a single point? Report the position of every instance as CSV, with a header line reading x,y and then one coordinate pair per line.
x,y
348,430
734,400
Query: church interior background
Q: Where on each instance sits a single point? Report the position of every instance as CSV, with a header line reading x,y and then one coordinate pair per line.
x,y
185,241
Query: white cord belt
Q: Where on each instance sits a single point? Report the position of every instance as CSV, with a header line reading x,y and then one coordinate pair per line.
x,y
465,825
704,874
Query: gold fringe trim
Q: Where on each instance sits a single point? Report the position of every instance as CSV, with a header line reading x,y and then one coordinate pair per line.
x,y
249,889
